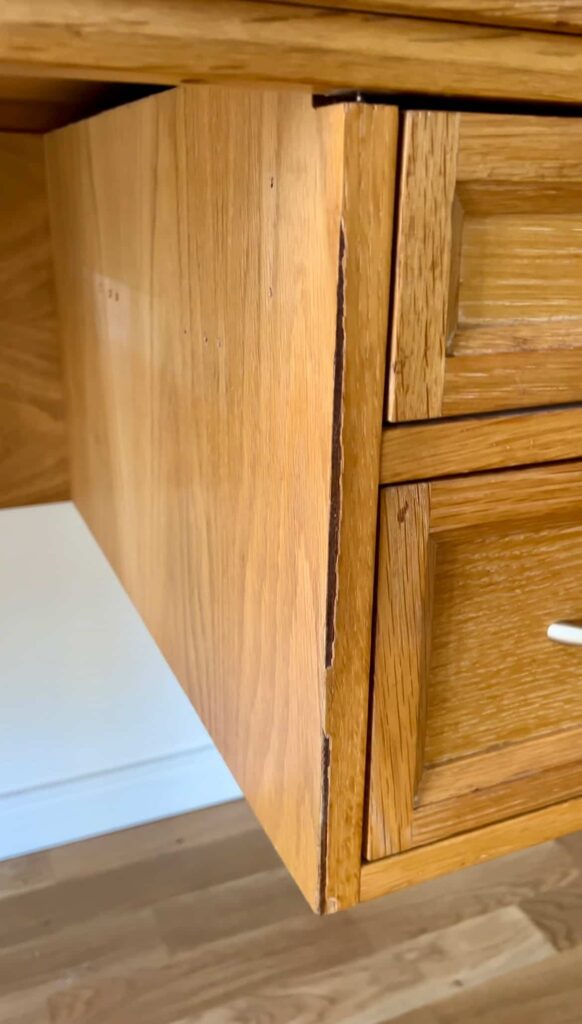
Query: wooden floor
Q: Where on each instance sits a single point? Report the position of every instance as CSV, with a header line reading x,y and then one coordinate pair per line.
x,y
194,920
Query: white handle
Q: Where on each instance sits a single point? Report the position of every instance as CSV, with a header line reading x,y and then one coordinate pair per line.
x,y
566,633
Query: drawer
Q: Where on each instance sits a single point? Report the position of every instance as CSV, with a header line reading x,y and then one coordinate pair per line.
x,y
487,311
477,715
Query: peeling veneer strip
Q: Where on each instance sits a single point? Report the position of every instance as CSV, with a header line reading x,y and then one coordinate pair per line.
x,y
336,456
325,763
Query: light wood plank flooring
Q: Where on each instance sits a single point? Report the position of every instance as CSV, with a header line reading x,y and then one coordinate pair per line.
x,y
194,920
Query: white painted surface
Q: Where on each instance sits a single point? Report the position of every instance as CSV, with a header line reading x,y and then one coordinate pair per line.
x,y
566,633
95,732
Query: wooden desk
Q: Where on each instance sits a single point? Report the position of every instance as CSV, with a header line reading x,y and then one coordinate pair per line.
x,y
360,622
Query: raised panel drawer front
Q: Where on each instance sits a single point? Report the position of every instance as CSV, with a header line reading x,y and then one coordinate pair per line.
x,y
477,713
487,310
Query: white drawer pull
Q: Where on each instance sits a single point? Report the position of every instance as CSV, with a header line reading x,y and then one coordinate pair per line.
x,y
566,633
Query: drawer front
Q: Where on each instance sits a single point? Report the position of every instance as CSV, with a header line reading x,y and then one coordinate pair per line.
x,y
477,715
488,299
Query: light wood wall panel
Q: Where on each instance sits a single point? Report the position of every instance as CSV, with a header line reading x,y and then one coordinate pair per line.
x,y
33,459
213,320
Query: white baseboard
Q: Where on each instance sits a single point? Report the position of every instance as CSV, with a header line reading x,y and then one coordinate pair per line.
x,y
63,812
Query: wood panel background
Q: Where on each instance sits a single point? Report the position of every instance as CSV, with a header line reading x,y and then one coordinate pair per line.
x,y
33,457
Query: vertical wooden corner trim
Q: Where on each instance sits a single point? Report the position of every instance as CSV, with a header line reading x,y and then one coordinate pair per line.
x,y
403,625
368,197
422,284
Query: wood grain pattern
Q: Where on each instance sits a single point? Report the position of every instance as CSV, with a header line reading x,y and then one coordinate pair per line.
x,y
216,517
403,603
443,781
515,267
170,41
559,915
499,595
504,941
511,784
518,263
550,15
371,135
208,890
492,320
511,380
525,996
33,457
456,852
423,266
501,699
545,495
448,447
520,149
554,336
202,359
536,788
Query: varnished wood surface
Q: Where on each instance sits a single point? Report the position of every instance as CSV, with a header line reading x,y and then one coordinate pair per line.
x,y
495,151
422,295
496,286
225,352
552,15
444,781
495,381
447,447
169,41
399,871
500,502
492,320
371,137
515,683
476,714
33,450
194,919
403,615
192,271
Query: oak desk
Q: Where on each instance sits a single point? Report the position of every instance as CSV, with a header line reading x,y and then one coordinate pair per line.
x,y
291,306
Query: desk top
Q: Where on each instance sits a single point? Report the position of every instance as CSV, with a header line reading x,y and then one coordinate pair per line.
x,y
324,48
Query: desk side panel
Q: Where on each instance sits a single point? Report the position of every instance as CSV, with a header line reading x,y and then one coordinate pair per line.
x,y
197,238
